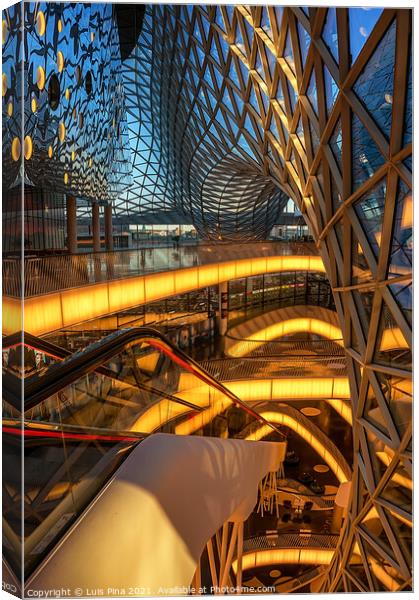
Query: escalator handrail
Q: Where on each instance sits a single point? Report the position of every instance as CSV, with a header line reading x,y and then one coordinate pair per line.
x,y
28,339
59,375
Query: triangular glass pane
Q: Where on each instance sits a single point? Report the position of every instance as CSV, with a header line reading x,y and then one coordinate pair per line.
x,y
402,293
244,144
265,23
361,23
244,71
224,49
366,158
398,490
305,40
402,239
335,143
230,11
374,86
259,67
284,131
219,17
239,102
288,54
312,92
239,40
253,101
279,11
292,95
274,130
354,340
331,89
227,100
339,234
271,61
392,348
407,135
233,73
330,33
361,272
218,77
382,570
408,161
206,26
374,414
370,211
249,33
336,197
364,301
315,142
265,101
300,133
197,31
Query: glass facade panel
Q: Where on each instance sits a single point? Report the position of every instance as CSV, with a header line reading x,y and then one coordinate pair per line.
x,y
375,85
402,244
366,158
370,209
330,33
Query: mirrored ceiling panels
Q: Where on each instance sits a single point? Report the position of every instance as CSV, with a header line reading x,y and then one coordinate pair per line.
x,y
75,138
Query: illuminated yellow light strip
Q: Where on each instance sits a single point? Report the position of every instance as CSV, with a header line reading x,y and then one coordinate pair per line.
x,y
247,390
308,556
287,327
343,408
288,556
57,310
289,421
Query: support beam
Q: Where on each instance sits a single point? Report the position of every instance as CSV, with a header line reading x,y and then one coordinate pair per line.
x,y
222,319
228,561
96,227
239,573
71,206
108,227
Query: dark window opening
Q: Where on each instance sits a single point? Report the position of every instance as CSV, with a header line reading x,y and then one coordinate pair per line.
x,y
54,92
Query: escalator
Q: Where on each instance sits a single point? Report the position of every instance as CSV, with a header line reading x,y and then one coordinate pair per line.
x,y
83,414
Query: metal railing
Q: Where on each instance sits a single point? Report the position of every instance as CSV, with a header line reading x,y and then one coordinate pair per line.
x,y
65,271
291,539
262,348
230,369
323,501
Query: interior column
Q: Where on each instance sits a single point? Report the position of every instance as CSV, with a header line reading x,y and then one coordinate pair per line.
x,y
108,227
71,206
222,307
96,227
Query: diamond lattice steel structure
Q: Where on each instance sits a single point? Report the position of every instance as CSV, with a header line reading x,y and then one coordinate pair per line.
x,y
232,109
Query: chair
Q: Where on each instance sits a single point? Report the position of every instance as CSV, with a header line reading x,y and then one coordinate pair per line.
x,y
287,504
307,506
286,517
306,519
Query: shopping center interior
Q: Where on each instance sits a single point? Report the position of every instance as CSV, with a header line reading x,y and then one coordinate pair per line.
x,y
207,299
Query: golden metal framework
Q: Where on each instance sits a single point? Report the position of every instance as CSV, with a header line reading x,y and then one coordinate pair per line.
x,y
314,104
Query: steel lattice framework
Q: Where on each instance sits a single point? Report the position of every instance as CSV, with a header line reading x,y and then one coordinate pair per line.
x,y
233,108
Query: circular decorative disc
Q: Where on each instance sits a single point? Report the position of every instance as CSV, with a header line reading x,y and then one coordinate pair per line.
x,y
310,411
274,573
321,468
